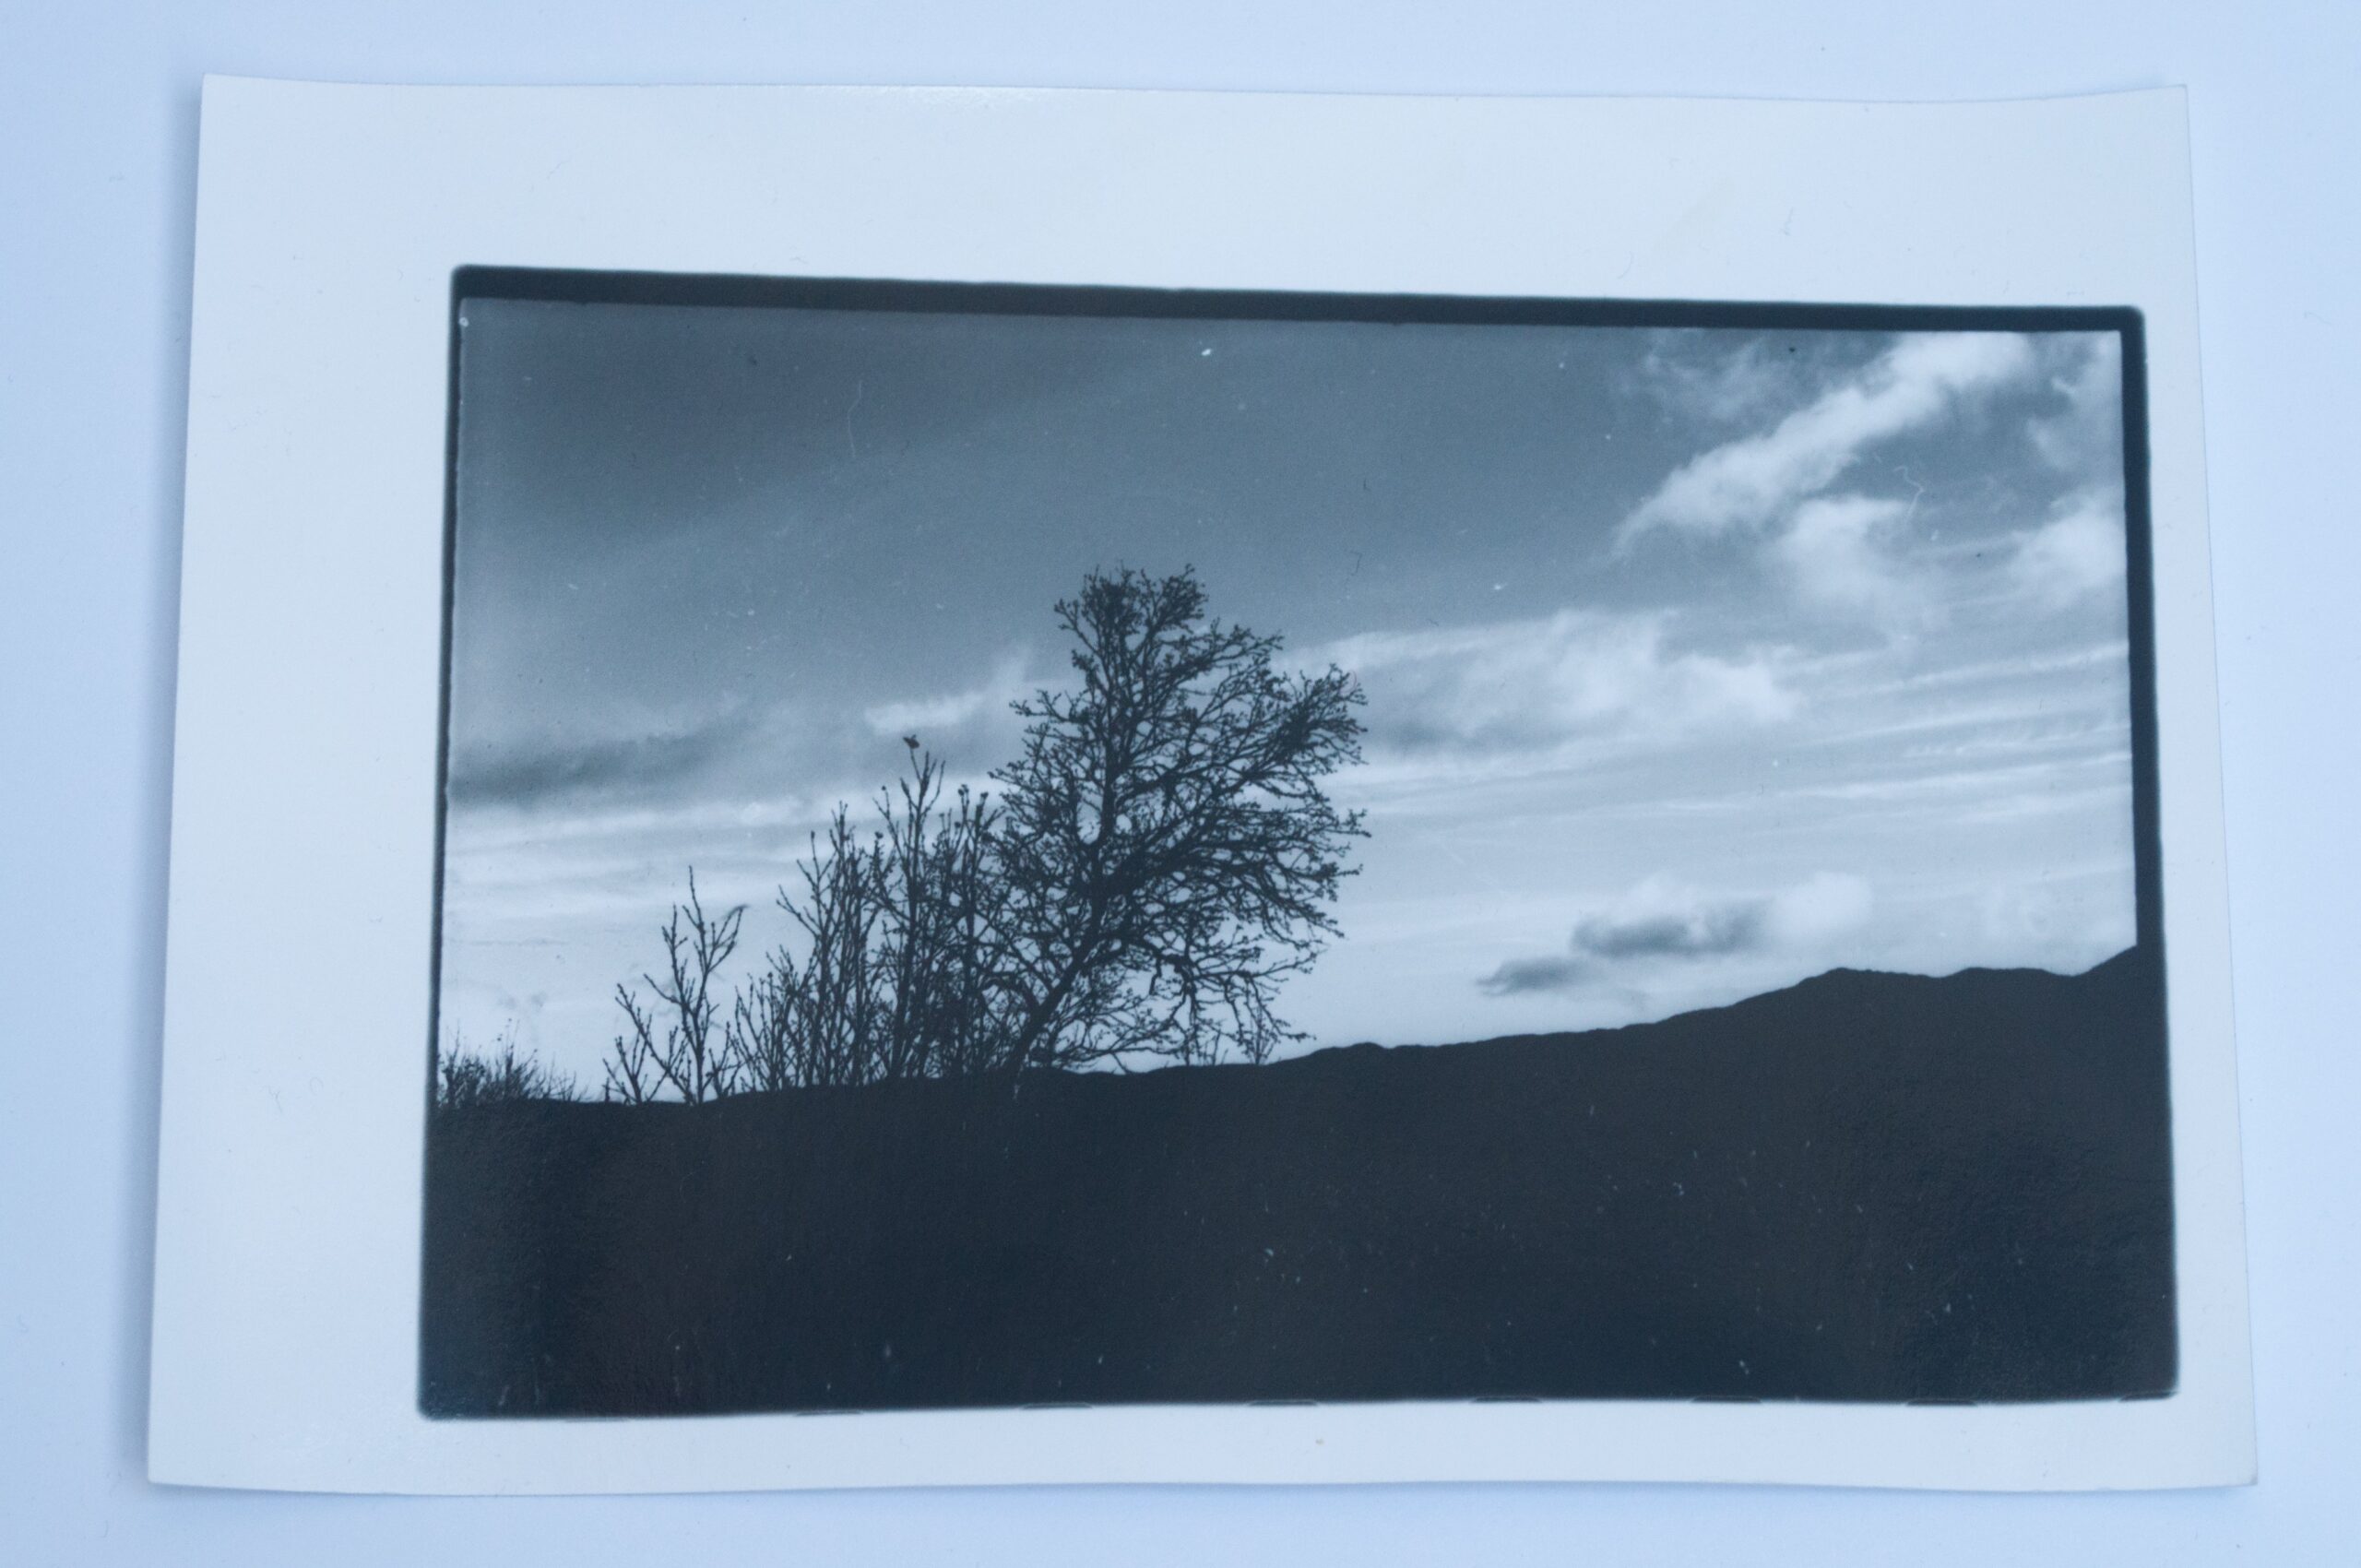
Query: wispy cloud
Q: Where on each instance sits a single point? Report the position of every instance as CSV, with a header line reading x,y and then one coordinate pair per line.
x,y
1697,376
953,710
1537,684
1753,482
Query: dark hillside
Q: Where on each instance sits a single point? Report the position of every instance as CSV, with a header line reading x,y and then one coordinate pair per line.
x,y
1866,1187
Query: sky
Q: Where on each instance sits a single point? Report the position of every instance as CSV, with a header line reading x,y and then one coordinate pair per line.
x,y
1697,661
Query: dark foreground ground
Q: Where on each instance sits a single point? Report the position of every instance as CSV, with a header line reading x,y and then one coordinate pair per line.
x,y
1867,1187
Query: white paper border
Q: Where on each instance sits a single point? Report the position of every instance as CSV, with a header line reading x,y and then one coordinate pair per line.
x,y
330,221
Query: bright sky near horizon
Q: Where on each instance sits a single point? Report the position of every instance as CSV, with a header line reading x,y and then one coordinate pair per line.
x,y
1698,661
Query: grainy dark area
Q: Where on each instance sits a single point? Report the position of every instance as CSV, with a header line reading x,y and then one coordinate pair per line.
x,y
1865,1187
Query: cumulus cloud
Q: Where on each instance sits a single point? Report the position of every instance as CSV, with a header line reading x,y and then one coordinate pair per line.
x,y
1753,482
1535,683
1663,920
1840,554
2077,556
1820,909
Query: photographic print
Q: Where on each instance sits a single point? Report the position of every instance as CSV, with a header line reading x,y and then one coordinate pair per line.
x,y
1011,846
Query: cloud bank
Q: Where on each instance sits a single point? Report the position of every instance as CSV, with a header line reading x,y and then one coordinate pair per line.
x,y
531,769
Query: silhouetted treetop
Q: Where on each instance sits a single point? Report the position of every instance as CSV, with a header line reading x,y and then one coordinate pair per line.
x,y
1168,853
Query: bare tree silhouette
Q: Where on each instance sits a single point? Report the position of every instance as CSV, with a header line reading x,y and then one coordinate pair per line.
x,y
631,1074
1169,854
944,899
894,979
692,1058
838,1009
764,1032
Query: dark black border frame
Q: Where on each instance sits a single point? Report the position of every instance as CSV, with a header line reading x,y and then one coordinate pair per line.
x,y
589,286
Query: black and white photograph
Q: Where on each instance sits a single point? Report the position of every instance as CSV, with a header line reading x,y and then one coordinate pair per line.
x,y
1024,786
1033,846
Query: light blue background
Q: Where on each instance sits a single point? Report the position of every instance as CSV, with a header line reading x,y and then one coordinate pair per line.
x,y
98,121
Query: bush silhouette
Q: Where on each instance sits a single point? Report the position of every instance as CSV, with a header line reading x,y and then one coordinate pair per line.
x,y
465,1079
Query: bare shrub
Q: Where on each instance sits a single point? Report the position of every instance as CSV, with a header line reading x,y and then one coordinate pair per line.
x,y
946,1014
631,1074
839,1018
895,978
466,1079
690,1057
